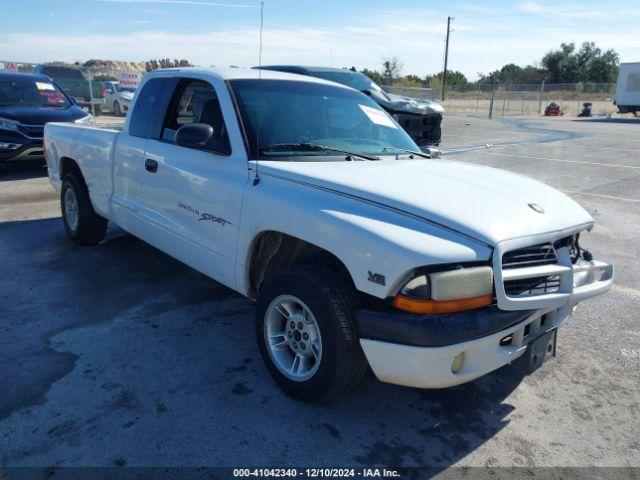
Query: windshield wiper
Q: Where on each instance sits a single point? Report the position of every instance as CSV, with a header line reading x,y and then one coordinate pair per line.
x,y
420,154
312,147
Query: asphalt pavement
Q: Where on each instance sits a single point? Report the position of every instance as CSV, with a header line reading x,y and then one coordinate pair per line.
x,y
118,355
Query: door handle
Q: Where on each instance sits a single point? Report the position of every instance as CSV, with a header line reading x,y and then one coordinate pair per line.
x,y
150,166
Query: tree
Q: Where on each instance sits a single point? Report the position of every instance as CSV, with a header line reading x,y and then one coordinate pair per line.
x,y
373,75
391,68
411,81
589,64
512,73
533,74
562,64
453,78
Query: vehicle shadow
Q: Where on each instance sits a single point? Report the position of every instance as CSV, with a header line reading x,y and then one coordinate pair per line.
x,y
22,170
434,429
118,350
632,120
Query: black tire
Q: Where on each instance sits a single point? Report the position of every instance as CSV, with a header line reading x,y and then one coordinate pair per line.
x,y
91,227
116,109
333,304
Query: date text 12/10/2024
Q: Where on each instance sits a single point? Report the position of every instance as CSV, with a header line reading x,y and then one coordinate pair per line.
x,y
316,472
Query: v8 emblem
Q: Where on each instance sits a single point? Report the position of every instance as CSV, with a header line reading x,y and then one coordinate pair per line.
x,y
376,278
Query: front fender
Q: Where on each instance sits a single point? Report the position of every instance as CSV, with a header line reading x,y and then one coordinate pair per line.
x,y
367,238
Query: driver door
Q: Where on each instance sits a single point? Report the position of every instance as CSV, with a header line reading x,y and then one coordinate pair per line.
x,y
192,196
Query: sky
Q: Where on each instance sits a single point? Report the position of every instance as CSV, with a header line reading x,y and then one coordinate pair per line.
x,y
485,36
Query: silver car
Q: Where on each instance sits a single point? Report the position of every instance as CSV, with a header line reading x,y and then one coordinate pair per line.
x,y
117,99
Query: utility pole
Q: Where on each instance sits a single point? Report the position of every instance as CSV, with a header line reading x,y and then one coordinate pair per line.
x,y
491,101
446,57
540,97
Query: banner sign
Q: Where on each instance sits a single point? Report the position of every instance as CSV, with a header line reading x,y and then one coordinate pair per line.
x,y
129,79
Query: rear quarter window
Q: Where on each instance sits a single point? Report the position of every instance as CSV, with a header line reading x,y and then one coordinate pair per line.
x,y
150,107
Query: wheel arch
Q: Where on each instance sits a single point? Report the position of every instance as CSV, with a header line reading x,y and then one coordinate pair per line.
x,y
272,251
68,165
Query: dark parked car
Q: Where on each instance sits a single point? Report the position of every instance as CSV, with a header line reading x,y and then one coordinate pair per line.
x,y
27,102
74,83
422,119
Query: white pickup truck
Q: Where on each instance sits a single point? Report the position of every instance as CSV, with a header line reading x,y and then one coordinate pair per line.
x,y
305,196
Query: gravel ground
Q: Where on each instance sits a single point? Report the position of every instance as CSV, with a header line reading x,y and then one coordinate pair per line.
x,y
119,355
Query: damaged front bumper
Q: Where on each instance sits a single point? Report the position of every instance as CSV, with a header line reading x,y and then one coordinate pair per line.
x,y
437,351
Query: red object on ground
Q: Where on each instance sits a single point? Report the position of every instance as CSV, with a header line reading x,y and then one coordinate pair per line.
x,y
553,110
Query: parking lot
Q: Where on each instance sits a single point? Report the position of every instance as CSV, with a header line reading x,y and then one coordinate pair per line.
x,y
120,355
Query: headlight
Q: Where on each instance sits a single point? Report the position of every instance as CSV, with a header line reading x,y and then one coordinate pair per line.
x,y
88,120
7,124
447,292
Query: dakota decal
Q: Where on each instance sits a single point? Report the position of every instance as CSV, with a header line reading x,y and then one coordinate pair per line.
x,y
204,216
208,216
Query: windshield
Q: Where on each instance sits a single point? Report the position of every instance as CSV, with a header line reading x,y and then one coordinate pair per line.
x,y
125,89
31,92
292,112
356,80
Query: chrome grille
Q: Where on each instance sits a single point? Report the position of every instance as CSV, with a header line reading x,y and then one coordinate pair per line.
x,y
532,256
532,286
536,255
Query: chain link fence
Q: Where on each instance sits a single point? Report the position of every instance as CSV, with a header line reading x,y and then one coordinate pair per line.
x,y
518,99
531,99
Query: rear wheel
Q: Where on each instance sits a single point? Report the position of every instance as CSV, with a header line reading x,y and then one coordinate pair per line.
x,y
306,335
82,224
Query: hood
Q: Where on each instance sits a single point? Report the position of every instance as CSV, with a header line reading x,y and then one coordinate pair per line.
x,y
485,203
401,103
42,115
126,96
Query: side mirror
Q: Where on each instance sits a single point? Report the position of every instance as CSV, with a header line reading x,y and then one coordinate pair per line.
x,y
367,92
194,135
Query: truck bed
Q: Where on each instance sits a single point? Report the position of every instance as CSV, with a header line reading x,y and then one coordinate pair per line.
x,y
92,148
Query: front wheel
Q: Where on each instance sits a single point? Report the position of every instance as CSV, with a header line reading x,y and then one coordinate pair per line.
x,y
116,109
306,335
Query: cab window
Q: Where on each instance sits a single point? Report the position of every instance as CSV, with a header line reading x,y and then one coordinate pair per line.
x,y
196,101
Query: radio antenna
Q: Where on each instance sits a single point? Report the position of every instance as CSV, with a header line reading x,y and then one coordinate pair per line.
x,y
256,179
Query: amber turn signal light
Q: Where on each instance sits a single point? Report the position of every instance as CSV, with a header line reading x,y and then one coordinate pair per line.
x,y
414,305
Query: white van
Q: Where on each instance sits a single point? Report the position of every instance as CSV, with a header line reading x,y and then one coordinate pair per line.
x,y
628,88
